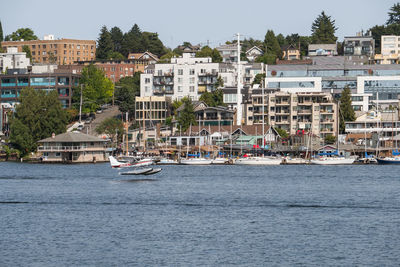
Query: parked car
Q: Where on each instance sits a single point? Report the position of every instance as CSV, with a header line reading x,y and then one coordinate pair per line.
x,y
99,111
80,127
88,120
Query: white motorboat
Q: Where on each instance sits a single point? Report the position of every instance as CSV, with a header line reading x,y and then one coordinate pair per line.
x,y
220,161
258,161
196,161
333,161
166,161
294,161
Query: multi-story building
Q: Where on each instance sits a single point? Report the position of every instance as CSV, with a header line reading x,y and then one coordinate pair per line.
x,y
13,60
145,58
322,50
59,51
314,112
359,46
290,52
191,76
151,110
390,50
337,73
254,53
228,52
15,80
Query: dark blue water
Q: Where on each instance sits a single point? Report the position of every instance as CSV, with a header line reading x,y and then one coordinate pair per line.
x,y
88,215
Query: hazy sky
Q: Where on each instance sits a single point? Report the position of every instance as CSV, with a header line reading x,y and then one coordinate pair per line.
x,y
199,22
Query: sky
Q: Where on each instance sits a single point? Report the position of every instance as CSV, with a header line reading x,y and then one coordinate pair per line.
x,y
211,22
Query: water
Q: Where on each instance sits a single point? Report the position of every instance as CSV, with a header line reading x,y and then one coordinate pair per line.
x,y
88,215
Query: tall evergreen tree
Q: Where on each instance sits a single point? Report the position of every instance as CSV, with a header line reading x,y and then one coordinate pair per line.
x,y
186,116
117,37
104,44
323,30
346,111
26,34
394,14
1,33
132,41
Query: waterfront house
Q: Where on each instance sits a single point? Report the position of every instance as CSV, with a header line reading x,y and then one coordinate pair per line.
x,y
73,147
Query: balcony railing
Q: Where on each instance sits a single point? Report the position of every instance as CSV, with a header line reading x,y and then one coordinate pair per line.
x,y
68,148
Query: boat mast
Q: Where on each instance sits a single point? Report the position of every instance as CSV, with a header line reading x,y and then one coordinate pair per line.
x,y
127,139
199,137
263,122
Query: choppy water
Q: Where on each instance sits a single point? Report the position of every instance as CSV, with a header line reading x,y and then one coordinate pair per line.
x,y
88,215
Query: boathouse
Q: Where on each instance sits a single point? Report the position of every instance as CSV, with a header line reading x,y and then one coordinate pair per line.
x,y
73,147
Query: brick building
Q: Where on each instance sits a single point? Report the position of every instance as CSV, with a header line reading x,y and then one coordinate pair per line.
x,y
60,51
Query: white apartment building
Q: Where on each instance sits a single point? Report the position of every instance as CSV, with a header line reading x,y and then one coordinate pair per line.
x,y
191,76
390,44
13,60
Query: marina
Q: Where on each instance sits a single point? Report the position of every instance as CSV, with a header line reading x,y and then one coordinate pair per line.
x,y
87,214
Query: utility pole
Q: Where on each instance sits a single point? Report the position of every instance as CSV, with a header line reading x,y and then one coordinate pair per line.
x,y
80,106
127,139
239,87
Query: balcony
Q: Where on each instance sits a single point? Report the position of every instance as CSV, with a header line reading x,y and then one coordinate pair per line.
x,y
208,74
304,111
68,148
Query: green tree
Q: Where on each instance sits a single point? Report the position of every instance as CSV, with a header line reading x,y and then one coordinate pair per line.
x,y
269,59
271,44
117,37
219,83
206,51
28,52
249,43
112,127
26,34
323,30
116,56
97,89
186,116
104,44
394,14
126,91
132,41
151,42
346,110
282,132
37,116
1,33
213,99
281,40
329,139
259,78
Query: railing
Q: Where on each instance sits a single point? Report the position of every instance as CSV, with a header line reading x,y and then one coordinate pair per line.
x,y
68,148
8,84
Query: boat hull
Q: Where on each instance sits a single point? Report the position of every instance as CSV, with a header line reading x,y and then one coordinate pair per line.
x,y
220,161
333,161
388,161
258,161
196,161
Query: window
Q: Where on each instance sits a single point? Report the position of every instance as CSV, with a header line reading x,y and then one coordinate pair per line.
x,y
179,88
179,80
180,71
191,80
191,88
44,46
146,89
44,53
78,46
147,80
191,71
58,154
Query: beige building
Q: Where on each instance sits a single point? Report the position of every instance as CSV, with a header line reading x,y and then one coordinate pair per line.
x,y
290,52
60,51
151,110
312,112
73,147
390,50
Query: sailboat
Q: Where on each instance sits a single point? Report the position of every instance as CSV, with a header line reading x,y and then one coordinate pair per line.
x,y
333,158
197,159
256,160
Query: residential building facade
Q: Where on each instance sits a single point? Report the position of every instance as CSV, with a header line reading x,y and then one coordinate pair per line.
x,y
290,52
151,110
59,51
322,50
312,112
359,46
14,81
228,52
13,59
